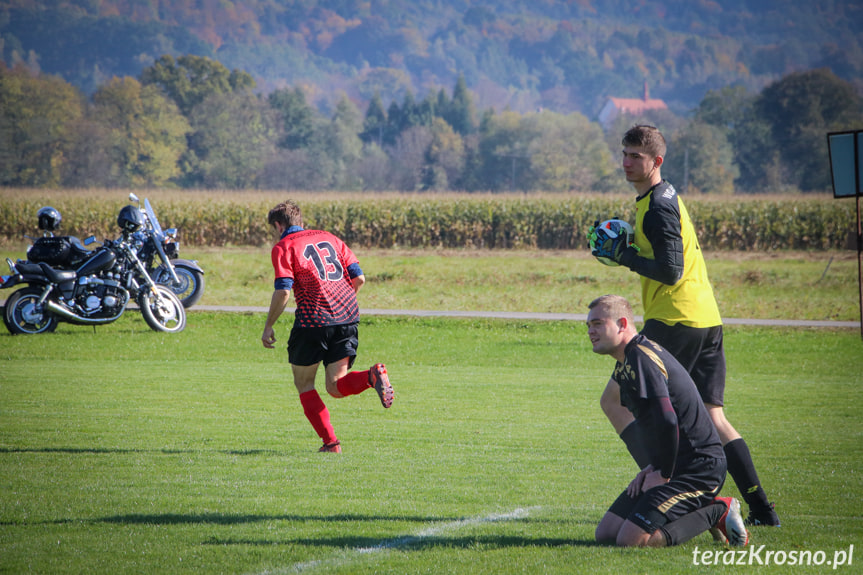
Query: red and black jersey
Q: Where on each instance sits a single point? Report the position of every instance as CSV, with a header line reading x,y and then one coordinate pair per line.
x,y
671,416
315,264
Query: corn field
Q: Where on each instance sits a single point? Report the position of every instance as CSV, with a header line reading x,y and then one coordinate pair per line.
x,y
446,221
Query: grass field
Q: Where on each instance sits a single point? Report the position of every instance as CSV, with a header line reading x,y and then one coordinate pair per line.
x,y
772,285
127,451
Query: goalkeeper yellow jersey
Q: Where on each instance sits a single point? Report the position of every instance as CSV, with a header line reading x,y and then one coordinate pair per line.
x,y
662,223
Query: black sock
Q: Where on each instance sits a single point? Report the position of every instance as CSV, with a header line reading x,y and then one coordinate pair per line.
x,y
742,470
692,524
632,438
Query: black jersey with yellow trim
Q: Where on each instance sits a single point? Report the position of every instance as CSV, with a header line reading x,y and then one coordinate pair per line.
x,y
649,372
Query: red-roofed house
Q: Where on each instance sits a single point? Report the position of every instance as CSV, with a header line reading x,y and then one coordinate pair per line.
x,y
630,106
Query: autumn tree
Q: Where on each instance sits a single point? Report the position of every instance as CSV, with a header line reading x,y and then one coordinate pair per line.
x,y
444,158
189,80
700,158
725,107
233,135
410,114
298,118
503,153
144,131
800,109
443,104
89,163
375,121
461,112
342,143
408,158
543,151
757,158
393,125
37,116
565,152
373,169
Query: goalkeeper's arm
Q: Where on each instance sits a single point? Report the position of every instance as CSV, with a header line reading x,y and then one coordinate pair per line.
x,y
663,233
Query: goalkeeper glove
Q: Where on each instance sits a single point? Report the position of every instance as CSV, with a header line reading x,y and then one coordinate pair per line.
x,y
605,246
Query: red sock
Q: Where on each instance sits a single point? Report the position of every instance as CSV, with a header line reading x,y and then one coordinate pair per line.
x,y
318,415
353,383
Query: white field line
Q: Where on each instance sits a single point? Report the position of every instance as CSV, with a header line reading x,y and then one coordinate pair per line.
x,y
350,554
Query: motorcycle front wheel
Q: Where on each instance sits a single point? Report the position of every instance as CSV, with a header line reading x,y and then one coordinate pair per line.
x,y
24,316
162,310
191,286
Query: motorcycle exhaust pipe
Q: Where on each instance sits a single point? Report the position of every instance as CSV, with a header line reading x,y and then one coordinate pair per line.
x,y
72,317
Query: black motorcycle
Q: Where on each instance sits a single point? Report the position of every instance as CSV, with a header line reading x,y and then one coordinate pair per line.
x,y
160,250
95,293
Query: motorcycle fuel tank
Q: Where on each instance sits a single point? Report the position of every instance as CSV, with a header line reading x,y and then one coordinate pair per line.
x,y
103,260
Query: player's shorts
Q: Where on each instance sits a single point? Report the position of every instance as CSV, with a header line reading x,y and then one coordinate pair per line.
x,y
682,495
310,345
699,349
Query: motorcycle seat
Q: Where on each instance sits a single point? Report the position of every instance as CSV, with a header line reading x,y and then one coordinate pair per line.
x,y
57,276
78,254
78,247
24,267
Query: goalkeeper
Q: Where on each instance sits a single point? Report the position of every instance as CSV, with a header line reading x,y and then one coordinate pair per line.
x,y
680,311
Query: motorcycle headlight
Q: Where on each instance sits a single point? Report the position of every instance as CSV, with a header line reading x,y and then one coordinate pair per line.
x,y
172,250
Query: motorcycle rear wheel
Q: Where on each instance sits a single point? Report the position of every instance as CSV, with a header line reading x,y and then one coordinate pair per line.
x,y
162,310
191,286
22,315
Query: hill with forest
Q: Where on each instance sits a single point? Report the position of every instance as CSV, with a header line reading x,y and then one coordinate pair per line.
x,y
564,56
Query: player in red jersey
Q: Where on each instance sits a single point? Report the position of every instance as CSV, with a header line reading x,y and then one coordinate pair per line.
x,y
325,276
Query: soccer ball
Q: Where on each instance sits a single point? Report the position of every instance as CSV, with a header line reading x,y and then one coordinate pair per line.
x,y
607,231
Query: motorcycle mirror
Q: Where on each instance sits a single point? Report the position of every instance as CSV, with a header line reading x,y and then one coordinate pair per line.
x,y
133,197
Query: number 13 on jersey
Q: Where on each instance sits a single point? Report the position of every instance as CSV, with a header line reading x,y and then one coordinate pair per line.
x,y
325,259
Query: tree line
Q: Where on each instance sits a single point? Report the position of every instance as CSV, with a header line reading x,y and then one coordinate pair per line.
x,y
563,56
191,123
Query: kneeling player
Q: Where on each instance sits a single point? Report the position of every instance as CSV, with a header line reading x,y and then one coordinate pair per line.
x,y
674,498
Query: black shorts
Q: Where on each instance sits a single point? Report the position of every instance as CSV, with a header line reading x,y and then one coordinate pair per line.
x,y
699,350
310,345
685,493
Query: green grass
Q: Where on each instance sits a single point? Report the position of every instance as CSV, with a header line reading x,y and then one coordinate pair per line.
x,y
774,285
127,451
780,285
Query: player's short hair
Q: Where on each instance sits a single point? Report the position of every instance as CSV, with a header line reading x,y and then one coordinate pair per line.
x,y
615,306
287,213
646,137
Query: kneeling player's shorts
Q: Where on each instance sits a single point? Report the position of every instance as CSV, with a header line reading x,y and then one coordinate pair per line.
x,y
309,345
699,350
697,487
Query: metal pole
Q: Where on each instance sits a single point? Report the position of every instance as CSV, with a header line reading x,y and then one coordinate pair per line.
x,y
860,262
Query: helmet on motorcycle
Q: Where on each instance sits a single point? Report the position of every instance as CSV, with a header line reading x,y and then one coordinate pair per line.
x,y
130,219
49,219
